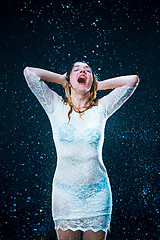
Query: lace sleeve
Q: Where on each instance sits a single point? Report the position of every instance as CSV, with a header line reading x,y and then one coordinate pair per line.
x,y
47,97
115,99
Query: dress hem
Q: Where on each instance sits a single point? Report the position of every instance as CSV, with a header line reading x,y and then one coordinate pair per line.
x,y
83,229
101,222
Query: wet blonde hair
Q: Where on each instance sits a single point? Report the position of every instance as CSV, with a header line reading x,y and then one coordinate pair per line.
x,y
92,101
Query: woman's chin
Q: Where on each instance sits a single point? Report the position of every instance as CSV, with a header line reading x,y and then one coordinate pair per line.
x,y
81,88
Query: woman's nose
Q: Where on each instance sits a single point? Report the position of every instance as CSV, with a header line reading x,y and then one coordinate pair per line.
x,y
82,71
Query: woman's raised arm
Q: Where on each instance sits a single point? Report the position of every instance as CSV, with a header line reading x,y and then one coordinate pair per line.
x,y
129,80
48,98
123,86
48,76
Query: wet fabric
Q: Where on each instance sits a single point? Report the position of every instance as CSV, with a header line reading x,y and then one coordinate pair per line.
x,y
81,192
84,224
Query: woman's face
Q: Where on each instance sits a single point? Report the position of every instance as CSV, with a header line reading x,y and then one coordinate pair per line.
x,y
81,77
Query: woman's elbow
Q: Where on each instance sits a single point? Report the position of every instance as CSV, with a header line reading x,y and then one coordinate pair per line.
x,y
134,81
25,70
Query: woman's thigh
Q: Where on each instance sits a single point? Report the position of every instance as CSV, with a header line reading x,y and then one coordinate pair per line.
x,y
90,235
68,235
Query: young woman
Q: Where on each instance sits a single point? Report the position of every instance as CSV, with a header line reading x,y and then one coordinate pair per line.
x,y
82,198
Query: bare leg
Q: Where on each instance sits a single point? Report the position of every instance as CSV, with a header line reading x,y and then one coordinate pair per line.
x,y
90,235
68,235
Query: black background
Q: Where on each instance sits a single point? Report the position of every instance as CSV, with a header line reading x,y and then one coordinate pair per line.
x,y
116,38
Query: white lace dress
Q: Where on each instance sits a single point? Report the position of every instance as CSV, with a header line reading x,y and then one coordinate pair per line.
x,y
81,193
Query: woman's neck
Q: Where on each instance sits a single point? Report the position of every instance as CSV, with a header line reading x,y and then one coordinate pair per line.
x,y
80,100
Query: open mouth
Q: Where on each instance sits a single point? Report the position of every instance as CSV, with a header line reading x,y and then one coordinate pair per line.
x,y
82,79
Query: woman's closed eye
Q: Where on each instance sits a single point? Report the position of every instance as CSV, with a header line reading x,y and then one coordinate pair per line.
x,y
75,70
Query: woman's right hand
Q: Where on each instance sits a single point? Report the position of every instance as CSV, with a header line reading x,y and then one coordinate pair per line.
x,y
64,80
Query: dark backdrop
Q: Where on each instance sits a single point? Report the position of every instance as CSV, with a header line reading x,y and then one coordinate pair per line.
x,y
116,38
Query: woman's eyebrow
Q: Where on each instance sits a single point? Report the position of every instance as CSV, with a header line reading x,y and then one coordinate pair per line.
x,y
86,66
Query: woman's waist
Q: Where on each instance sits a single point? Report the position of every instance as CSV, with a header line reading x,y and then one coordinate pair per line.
x,y
82,162
79,161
